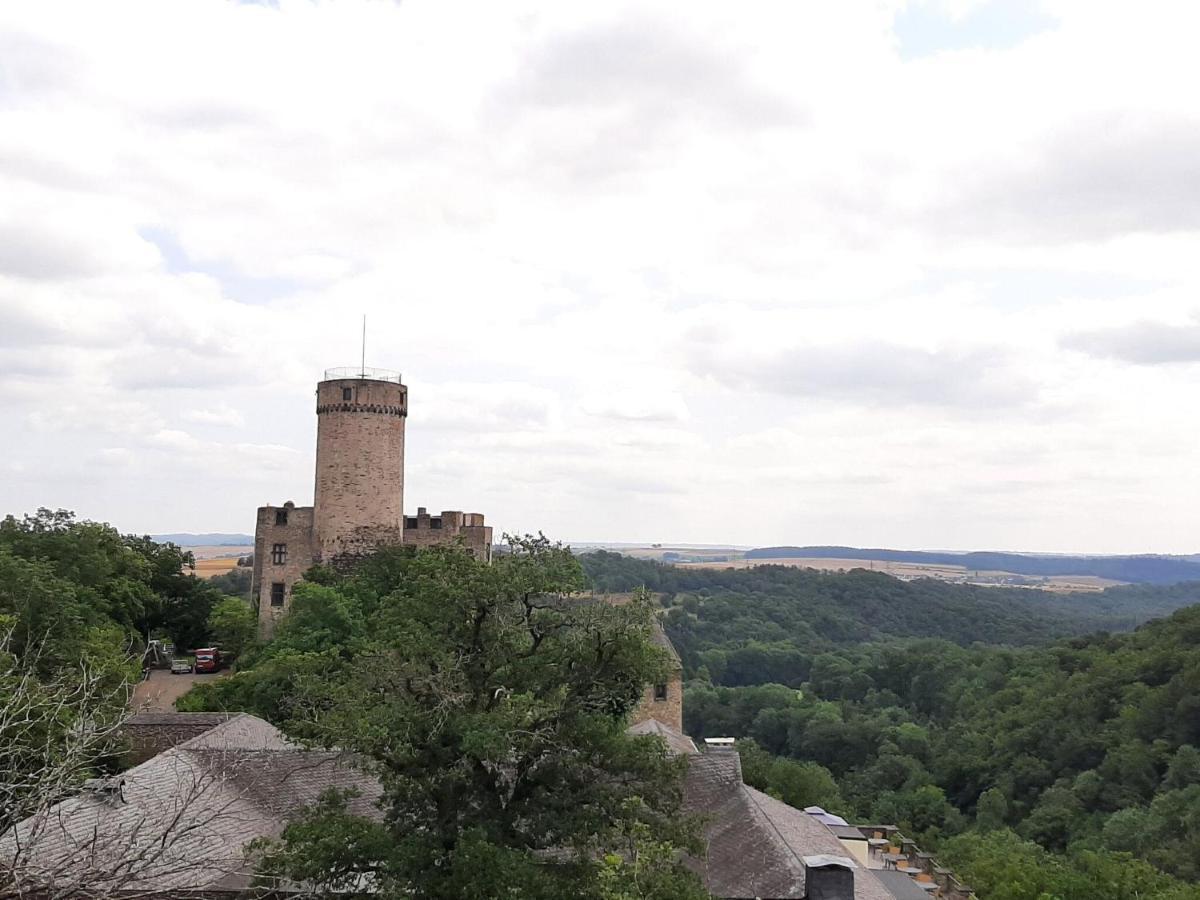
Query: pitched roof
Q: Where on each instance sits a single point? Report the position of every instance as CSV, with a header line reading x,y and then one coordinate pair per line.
x,y
187,814
183,818
677,742
756,844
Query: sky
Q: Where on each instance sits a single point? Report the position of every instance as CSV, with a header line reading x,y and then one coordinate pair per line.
x,y
910,274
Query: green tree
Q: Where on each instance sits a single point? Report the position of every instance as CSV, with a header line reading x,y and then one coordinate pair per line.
x,y
492,703
232,625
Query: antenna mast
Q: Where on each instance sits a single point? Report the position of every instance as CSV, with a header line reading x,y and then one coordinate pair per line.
x,y
363,366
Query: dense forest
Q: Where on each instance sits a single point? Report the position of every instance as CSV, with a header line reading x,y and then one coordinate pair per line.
x,y
1040,760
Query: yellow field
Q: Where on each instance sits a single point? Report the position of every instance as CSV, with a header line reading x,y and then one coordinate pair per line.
x,y
907,571
207,568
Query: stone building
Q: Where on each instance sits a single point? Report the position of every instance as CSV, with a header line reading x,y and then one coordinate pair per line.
x,y
358,497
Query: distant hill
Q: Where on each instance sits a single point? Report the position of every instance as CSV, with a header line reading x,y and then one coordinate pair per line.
x,y
1142,569
211,539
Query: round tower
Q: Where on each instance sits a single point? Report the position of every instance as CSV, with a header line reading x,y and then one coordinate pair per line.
x,y
359,497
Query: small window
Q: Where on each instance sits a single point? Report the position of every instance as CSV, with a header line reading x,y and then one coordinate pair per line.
x,y
435,522
660,692
410,522
347,394
281,517
278,554
277,591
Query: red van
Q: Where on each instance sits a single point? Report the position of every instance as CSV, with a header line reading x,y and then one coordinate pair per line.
x,y
208,659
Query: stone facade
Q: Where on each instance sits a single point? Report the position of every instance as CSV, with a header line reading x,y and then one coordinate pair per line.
x,y
424,530
359,495
359,492
283,552
663,702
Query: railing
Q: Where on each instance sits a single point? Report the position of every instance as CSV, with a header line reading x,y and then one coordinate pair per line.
x,y
362,372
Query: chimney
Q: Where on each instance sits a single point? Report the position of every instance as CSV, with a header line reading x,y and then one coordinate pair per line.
x,y
828,878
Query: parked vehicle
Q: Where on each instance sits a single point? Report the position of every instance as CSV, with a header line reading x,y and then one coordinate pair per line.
x,y
208,659
181,667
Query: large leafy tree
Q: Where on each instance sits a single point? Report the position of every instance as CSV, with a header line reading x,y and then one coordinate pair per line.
x,y
492,703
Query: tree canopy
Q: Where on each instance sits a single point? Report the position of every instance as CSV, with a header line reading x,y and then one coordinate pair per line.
x,y
492,702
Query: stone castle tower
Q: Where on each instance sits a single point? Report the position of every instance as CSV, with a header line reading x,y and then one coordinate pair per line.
x,y
359,493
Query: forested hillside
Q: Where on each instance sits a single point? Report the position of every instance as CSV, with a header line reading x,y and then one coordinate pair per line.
x,y
751,626
1067,769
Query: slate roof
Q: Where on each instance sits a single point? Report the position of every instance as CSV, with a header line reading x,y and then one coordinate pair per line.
x,y
179,718
677,742
755,843
902,886
243,779
186,814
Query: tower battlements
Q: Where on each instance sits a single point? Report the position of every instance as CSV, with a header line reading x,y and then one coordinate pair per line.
x,y
425,530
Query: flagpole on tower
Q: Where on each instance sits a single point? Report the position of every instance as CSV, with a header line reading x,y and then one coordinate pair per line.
x,y
363,365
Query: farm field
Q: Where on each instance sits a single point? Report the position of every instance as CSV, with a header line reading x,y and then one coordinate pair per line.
x,y
909,571
218,560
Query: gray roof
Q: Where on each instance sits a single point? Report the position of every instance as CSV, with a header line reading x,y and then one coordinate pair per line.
x,y
901,886
183,817
179,718
756,844
188,813
677,742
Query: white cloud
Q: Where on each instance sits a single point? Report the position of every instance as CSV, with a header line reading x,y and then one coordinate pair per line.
x,y
753,274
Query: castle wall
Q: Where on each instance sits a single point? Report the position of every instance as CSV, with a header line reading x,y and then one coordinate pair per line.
x,y
424,530
359,496
668,710
296,536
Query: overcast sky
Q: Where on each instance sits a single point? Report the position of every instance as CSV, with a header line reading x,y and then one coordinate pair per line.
x,y
884,274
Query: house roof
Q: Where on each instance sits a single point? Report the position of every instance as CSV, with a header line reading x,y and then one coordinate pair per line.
x,y
677,742
756,844
182,819
188,813
901,886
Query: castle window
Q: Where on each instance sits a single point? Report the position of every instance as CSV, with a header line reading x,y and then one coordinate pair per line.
x,y
281,517
660,692
347,393
435,522
410,521
277,591
278,554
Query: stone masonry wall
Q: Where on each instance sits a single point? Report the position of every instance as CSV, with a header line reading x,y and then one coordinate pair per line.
x,y
360,462
420,531
669,711
297,536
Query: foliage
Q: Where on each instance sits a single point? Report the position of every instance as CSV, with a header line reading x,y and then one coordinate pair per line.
x,y
1086,744
492,702
232,625
772,623
84,574
235,583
